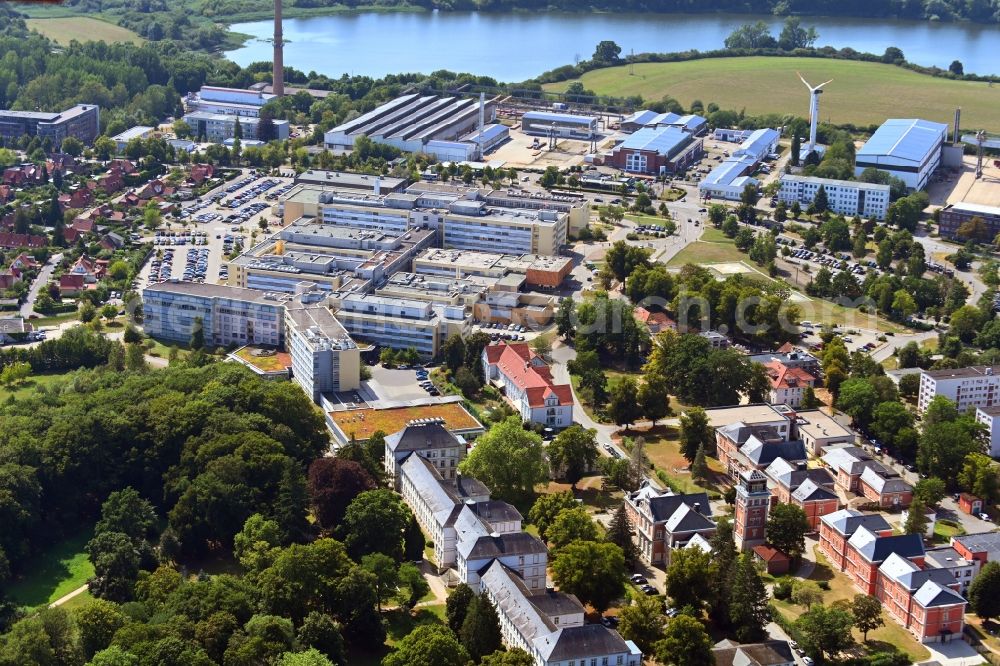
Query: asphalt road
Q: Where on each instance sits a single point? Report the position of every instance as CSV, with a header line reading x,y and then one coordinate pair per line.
x,y
44,275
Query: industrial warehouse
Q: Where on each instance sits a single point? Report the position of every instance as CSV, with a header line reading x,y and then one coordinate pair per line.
x,y
449,128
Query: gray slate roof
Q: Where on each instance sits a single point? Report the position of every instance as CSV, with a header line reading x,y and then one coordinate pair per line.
x,y
511,543
580,642
808,491
877,549
770,653
433,435
847,521
663,507
763,453
983,542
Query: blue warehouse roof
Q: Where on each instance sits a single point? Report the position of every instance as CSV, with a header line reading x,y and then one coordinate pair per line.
x,y
904,139
663,140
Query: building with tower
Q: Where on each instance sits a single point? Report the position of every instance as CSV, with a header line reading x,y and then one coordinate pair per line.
x,y
752,502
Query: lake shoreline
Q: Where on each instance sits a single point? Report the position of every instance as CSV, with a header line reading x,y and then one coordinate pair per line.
x,y
381,43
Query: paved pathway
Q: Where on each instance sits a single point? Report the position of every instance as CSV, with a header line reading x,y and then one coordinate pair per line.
x,y
953,653
63,599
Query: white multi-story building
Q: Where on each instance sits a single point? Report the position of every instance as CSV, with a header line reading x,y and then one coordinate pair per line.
x,y
478,544
229,101
430,439
845,197
909,149
973,387
228,315
400,323
527,382
990,417
324,358
550,626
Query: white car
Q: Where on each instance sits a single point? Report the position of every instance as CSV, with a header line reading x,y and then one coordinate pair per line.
x,y
985,516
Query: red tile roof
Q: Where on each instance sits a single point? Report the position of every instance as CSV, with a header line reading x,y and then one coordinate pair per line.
x,y
784,377
528,372
22,240
768,554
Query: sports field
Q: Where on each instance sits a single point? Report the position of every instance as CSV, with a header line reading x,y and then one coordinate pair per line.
x,y
83,29
862,93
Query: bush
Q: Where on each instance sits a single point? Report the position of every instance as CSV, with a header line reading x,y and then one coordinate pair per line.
x,y
824,585
783,589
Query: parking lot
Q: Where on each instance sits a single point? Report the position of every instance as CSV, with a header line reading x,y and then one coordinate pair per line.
x,y
196,246
400,383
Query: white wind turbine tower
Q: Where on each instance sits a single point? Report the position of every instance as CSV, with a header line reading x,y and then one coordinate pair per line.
x,y
814,93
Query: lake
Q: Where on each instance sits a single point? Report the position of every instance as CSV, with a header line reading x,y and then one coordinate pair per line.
x,y
515,47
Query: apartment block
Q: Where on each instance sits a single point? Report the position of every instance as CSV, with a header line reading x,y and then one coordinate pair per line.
x,y
972,387
844,197
526,381
81,121
219,127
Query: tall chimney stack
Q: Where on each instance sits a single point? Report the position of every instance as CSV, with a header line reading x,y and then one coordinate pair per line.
x,y
278,76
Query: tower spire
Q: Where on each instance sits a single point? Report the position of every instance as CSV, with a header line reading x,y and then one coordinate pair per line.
x,y
278,75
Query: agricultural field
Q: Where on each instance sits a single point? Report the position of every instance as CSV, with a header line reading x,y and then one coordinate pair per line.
x,y
770,85
82,28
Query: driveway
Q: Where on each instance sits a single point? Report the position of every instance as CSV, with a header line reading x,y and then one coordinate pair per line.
x,y
953,653
44,275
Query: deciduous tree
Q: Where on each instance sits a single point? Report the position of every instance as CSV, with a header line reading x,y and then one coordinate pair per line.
x,y
593,571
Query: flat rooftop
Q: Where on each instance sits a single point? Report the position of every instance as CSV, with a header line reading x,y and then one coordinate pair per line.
x,y
318,324
748,414
350,180
833,181
970,372
362,423
818,425
264,360
206,290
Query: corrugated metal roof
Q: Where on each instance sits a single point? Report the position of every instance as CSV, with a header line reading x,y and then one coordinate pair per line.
x,y
663,140
909,139
550,117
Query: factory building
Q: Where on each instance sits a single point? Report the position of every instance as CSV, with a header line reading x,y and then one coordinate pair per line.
x,y
954,216
657,151
845,197
730,178
227,101
692,124
487,140
560,125
909,149
220,127
417,123
81,121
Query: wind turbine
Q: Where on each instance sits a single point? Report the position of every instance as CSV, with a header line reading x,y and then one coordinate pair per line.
x,y
814,93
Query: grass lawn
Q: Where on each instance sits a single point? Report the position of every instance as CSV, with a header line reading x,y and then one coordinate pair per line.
x,y
770,85
841,588
55,573
646,220
398,623
162,350
79,601
664,452
83,29
707,252
944,530
30,385
54,320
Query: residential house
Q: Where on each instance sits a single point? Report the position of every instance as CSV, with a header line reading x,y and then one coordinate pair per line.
x,y
13,329
656,322
836,528
526,381
199,173
924,601
790,356
71,285
112,241
126,167
662,522
111,182
788,384
6,193
11,241
81,197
